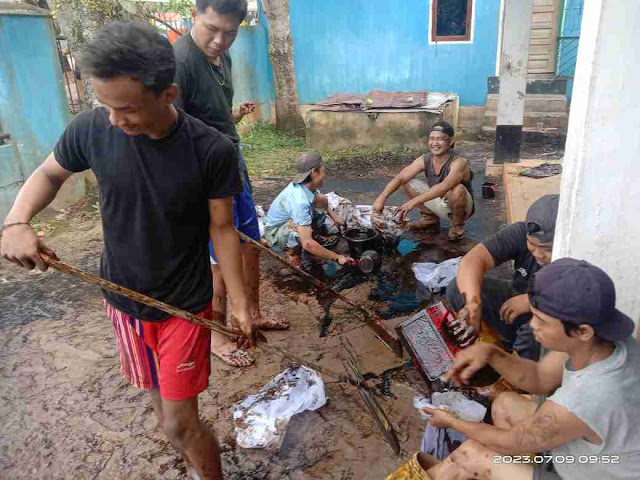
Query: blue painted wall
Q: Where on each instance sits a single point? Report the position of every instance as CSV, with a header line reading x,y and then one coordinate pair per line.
x,y
33,105
568,43
252,71
360,45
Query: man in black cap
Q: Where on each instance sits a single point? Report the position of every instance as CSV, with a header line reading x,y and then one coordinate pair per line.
x,y
299,212
589,428
504,305
445,192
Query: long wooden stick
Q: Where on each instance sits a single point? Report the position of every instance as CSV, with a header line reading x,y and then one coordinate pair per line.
x,y
190,317
368,315
139,297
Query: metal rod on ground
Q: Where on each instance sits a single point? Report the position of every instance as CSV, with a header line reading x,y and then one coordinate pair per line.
x,y
190,317
368,315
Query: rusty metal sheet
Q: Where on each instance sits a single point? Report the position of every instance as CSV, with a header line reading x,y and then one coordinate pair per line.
x,y
375,99
382,99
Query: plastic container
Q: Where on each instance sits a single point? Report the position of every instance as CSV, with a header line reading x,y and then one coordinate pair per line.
x,y
369,262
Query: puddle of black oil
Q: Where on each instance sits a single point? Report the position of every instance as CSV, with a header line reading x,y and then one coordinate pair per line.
x,y
394,290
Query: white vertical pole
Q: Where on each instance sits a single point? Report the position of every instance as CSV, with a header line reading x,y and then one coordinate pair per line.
x,y
599,218
513,79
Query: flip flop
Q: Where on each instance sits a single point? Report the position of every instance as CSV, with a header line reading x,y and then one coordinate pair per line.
x,y
235,357
271,321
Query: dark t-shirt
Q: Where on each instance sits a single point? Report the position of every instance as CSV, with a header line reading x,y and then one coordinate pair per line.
x,y
154,204
510,243
200,92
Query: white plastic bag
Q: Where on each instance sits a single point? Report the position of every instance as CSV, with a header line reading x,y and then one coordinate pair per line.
x,y
436,276
261,420
460,405
261,218
440,442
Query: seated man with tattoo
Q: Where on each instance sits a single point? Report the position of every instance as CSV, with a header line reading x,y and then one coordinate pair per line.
x,y
589,427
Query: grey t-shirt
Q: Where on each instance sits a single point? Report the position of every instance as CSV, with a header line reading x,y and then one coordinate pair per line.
x,y
605,396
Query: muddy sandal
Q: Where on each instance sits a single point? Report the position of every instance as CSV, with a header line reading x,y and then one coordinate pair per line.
x,y
236,358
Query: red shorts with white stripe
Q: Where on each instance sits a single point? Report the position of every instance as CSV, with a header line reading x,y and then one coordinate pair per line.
x,y
173,355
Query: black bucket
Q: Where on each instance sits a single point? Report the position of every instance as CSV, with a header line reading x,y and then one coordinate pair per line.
x,y
362,239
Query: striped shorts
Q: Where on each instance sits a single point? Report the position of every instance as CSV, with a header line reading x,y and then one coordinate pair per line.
x,y
172,355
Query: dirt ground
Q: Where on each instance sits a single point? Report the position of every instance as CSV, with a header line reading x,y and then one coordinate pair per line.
x,y
67,413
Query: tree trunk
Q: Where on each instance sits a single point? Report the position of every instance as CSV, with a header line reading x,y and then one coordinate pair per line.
x,y
80,19
281,54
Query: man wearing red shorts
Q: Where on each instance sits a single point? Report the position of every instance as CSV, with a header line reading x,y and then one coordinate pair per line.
x,y
166,185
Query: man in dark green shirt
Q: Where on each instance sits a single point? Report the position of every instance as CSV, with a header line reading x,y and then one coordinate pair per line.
x,y
205,91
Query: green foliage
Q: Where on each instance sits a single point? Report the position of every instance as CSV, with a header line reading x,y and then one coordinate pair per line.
x,y
270,153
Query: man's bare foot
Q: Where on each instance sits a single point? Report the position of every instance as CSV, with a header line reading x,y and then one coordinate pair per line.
x,y
229,353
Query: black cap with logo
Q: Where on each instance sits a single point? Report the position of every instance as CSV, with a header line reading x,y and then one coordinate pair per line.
x,y
577,292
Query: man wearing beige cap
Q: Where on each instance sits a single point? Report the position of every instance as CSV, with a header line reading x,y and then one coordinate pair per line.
x,y
299,211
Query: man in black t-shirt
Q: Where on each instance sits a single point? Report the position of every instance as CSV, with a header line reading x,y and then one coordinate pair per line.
x,y
502,304
166,185
205,90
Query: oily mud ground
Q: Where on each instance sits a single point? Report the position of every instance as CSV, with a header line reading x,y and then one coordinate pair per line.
x,y
67,413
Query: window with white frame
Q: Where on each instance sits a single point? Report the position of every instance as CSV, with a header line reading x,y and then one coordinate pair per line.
x,y
451,20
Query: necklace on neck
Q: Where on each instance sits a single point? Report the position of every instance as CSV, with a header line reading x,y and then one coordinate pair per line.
x,y
221,81
220,78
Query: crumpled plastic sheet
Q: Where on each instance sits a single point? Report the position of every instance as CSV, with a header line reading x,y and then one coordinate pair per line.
x,y
436,276
354,216
261,420
389,222
455,402
542,171
363,216
436,441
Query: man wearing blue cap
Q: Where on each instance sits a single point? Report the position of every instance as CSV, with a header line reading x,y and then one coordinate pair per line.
x,y
589,428
504,304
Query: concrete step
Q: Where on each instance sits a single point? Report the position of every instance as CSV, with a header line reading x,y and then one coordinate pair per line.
x,y
555,137
534,103
533,120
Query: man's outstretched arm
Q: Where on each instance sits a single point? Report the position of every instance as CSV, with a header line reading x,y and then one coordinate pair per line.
x,y
533,377
473,266
310,245
226,243
403,177
20,244
549,427
456,174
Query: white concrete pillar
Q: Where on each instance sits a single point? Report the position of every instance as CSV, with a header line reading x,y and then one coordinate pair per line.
x,y
516,34
599,217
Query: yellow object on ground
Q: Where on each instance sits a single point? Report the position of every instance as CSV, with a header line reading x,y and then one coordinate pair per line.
x,y
414,469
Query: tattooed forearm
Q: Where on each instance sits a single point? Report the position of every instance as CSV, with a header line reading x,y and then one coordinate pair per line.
x,y
539,433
